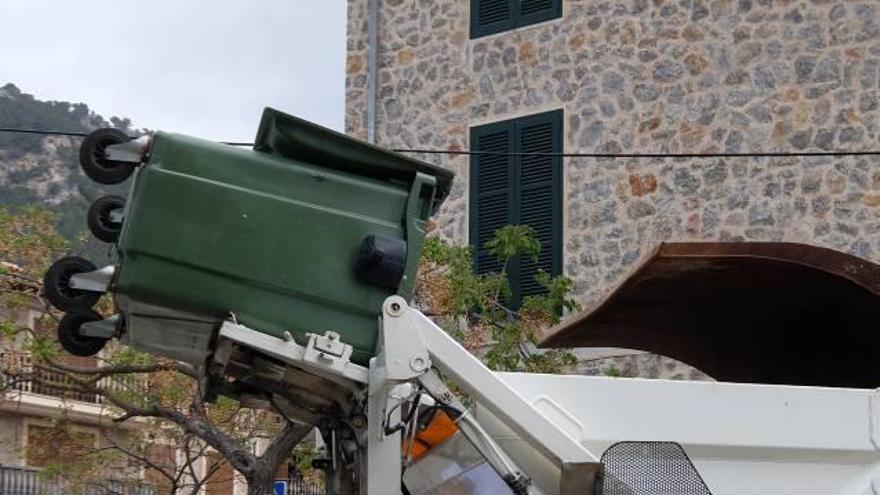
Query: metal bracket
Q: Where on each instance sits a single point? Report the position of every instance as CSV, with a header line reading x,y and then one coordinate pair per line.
x,y
130,151
103,329
117,215
315,357
94,281
328,346
400,357
382,471
403,350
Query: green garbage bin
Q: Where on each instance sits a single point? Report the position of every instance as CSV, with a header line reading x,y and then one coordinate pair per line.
x,y
308,232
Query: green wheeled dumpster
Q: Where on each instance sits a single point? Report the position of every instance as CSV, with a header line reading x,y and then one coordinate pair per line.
x,y
308,232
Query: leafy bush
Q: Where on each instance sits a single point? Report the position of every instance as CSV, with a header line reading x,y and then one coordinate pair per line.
x,y
472,306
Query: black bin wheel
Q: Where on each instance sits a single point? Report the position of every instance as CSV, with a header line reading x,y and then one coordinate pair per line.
x,y
100,223
93,157
72,340
56,284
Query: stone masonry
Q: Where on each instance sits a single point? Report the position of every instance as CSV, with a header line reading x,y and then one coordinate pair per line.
x,y
646,76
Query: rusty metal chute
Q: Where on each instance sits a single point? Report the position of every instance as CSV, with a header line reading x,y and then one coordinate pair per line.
x,y
779,313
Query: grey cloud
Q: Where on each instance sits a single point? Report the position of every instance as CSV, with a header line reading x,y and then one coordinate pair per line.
x,y
200,67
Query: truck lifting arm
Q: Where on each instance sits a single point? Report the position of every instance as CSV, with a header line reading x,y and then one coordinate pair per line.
x,y
408,333
413,353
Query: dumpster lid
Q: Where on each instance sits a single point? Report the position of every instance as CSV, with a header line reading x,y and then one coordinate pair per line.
x,y
764,312
291,137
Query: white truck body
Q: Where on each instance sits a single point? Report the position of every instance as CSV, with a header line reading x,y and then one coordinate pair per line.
x,y
742,438
551,431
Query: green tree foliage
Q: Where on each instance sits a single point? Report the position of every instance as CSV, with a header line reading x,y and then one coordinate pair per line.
x,y
22,110
472,307
28,244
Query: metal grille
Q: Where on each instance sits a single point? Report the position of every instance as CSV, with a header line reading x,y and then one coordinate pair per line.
x,y
17,370
28,481
301,487
649,468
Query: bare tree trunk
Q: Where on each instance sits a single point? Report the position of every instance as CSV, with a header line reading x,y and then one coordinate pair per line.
x,y
262,481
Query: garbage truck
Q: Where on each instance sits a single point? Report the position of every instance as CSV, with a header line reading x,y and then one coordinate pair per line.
x,y
285,272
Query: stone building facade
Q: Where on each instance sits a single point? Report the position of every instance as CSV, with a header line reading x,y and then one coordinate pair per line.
x,y
648,76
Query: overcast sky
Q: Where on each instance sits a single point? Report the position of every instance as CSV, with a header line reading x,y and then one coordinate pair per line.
x,y
202,67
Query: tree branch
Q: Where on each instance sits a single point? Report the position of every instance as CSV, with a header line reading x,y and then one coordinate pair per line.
x,y
143,459
292,434
105,371
238,456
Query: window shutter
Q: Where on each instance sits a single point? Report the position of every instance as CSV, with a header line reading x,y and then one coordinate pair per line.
x,y
538,202
491,16
491,184
518,190
532,11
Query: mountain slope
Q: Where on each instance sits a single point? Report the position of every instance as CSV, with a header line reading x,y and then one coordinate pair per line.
x,y
45,170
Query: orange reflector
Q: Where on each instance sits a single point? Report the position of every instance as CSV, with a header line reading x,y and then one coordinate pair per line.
x,y
438,430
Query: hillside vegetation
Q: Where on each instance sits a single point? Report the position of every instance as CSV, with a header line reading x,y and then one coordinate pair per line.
x,y
44,170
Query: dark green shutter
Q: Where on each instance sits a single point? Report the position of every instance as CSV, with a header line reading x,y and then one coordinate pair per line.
x,y
522,190
491,182
534,11
491,16
494,16
539,201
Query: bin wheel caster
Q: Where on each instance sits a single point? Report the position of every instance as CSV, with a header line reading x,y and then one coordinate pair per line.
x,y
56,284
93,158
101,225
72,340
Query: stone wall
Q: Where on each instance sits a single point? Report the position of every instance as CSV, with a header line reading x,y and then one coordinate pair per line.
x,y
10,439
651,76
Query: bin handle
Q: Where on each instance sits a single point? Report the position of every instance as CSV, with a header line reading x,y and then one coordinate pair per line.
x,y
418,207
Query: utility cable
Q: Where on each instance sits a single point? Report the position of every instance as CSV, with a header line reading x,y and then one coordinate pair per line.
x,y
760,154
78,134
44,133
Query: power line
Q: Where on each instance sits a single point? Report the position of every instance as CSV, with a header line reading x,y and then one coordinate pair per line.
x,y
648,155
762,154
77,134
45,133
